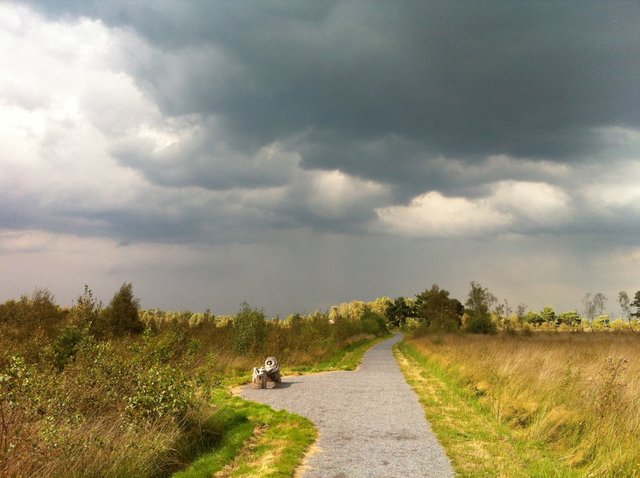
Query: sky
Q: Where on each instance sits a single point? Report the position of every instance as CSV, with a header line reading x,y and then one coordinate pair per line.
x,y
299,154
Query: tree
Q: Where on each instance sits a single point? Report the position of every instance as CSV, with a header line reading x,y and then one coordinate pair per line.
x,y
601,322
249,330
594,305
381,306
533,318
122,313
478,306
399,311
503,311
521,312
625,304
436,309
636,305
86,310
570,317
548,315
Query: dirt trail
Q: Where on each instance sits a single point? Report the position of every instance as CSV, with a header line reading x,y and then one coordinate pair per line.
x,y
370,421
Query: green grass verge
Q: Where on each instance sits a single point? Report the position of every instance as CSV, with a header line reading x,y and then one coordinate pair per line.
x,y
477,444
258,441
348,358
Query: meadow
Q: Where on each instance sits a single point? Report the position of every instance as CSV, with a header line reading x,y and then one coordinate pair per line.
x,y
573,395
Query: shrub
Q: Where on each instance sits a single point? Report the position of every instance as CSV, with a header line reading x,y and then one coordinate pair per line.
x,y
160,392
479,324
66,345
249,329
122,313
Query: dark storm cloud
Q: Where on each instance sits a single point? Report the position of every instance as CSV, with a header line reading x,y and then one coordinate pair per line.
x,y
420,80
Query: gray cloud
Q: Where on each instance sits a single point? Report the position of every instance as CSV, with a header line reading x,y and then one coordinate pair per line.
x,y
462,80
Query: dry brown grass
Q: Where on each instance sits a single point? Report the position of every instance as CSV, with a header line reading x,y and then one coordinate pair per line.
x,y
579,393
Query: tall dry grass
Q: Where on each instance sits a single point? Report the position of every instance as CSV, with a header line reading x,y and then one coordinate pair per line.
x,y
578,393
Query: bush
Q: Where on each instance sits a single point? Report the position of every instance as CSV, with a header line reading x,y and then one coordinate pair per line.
x,y
160,392
122,313
249,329
480,324
66,345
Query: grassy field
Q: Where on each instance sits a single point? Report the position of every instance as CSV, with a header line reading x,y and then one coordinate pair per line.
x,y
543,404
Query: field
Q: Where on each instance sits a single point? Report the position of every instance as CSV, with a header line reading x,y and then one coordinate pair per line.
x,y
543,398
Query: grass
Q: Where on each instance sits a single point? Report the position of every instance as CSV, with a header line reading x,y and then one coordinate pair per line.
x,y
348,358
263,442
541,405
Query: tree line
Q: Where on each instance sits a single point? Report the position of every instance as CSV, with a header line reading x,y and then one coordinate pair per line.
x,y
482,312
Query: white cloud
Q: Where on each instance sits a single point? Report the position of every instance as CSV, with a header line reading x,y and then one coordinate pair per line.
x,y
512,206
60,103
434,215
334,195
531,203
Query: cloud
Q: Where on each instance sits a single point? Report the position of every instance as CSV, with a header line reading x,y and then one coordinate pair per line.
x,y
434,215
515,207
462,81
366,144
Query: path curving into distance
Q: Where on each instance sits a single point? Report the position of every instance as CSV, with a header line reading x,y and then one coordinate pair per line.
x,y
370,421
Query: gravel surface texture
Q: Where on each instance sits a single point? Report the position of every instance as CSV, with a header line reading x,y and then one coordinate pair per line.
x,y
370,421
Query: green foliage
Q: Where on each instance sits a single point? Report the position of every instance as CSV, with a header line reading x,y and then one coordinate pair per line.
x,y
533,318
437,310
570,318
122,315
249,330
65,346
381,306
548,315
399,311
478,305
160,391
636,304
601,322
86,311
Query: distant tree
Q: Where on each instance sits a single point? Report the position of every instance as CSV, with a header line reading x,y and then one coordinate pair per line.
x,y
571,318
636,304
625,304
601,322
594,305
521,311
399,311
122,314
548,315
533,318
381,306
437,309
503,311
478,309
86,311
249,330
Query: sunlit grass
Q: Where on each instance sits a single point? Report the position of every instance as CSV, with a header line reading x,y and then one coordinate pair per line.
x,y
574,396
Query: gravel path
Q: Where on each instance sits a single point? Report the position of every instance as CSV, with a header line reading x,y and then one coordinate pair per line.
x,y
370,421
